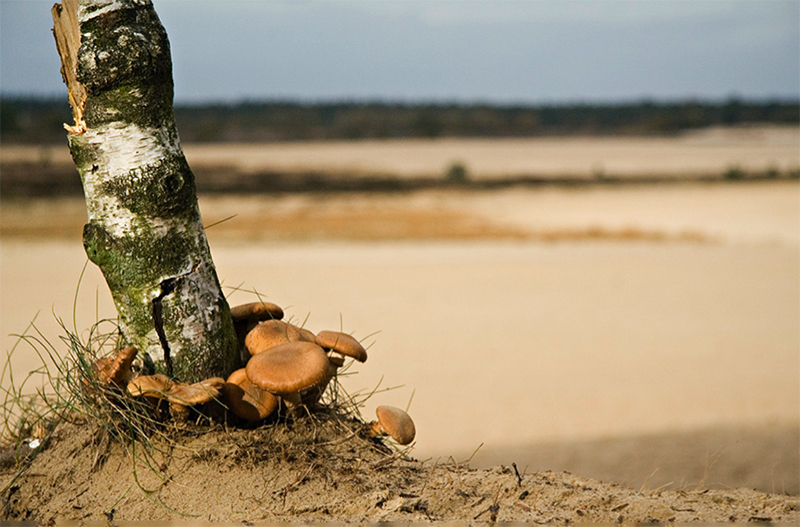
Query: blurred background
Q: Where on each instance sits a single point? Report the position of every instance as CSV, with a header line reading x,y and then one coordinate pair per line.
x,y
568,230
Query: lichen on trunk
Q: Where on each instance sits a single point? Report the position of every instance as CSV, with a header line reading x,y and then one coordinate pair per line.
x,y
144,229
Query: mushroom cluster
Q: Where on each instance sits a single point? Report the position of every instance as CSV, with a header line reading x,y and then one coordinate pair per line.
x,y
285,365
286,368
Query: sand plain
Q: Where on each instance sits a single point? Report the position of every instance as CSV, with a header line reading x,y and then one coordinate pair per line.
x,y
648,335
709,151
705,152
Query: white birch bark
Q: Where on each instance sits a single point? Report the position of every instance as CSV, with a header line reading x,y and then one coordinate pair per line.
x,y
144,229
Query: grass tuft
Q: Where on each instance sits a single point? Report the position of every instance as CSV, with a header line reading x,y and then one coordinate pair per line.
x,y
64,389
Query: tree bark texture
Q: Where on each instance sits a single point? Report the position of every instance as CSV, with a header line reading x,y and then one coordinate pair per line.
x,y
144,229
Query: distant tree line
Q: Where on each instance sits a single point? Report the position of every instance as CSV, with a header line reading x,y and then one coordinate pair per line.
x,y
40,120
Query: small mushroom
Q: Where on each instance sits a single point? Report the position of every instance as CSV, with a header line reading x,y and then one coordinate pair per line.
x,y
197,393
395,423
182,396
342,343
117,369
246,316
289,370
150,386
256,312
179,394
246,400
270,333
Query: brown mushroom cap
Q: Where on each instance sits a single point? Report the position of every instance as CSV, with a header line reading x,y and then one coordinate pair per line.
x,y
150,385
288,368
307,335
162,387
197,393
311,397
116,369
270,333
396,423
246,400
180,395
256,311
342,343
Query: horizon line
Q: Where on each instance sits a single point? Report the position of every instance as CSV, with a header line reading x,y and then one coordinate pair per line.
x,y
445,102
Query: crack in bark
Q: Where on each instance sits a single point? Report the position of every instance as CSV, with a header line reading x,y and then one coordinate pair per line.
x,y
167,287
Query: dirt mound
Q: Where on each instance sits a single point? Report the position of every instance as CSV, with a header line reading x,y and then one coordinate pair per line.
x,y
325,467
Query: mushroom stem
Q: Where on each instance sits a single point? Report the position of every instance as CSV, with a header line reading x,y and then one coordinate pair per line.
x,y
179,412
311,397
292,400
376,430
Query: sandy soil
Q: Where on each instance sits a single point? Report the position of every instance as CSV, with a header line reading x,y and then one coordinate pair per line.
x,y
653,339
310,471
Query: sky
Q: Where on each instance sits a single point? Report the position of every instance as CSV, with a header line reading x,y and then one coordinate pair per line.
x,y
464,51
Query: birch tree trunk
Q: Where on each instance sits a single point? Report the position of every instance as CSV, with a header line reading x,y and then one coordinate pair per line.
x,y
144,229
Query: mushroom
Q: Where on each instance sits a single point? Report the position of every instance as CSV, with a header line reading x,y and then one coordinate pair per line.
x,y
115,370
289,369
150,385
342,343
246,400
246,316
395,423
179,394
256,312
336,360
153,387
270,333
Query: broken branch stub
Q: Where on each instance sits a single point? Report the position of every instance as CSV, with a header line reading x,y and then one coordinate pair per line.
x,y
144,230
66,30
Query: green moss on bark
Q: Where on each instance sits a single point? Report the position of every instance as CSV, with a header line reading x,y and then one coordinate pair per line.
x,y
164,189
145,105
